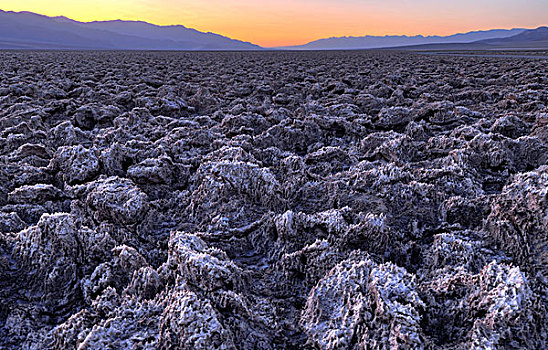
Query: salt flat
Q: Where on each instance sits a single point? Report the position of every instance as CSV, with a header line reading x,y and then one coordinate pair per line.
x,y
272,200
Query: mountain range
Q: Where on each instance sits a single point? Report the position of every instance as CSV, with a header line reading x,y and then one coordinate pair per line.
x,y
27,30
378,42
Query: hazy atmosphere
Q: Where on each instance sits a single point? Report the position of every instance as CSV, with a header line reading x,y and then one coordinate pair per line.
x,y
289,22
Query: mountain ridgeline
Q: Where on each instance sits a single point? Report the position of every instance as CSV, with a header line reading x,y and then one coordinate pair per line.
x,y
488,39
377,42
27,30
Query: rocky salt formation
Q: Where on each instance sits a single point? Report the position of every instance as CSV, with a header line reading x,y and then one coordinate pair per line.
x,y
354,200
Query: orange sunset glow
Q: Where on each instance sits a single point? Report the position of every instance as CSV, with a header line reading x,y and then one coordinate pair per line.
x,y
285,22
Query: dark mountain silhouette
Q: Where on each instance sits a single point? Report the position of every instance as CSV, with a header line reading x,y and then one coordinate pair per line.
x,y
374,42
26,30
529,36
528,39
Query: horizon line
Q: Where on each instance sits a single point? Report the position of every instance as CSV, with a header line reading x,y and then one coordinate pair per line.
x,y
277,46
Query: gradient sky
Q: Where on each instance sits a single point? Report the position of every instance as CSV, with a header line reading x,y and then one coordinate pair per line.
x,y
289,22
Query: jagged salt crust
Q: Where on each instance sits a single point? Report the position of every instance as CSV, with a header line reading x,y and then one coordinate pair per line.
x,y
335,200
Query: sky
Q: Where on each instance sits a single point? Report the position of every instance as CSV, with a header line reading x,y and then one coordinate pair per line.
x,y
292,22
